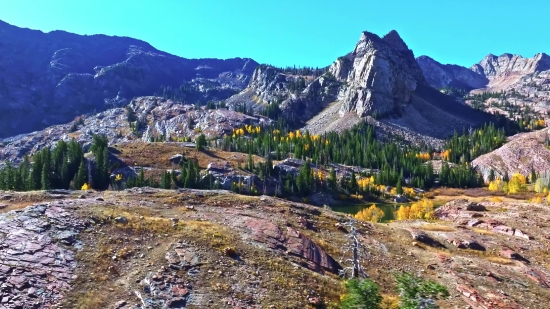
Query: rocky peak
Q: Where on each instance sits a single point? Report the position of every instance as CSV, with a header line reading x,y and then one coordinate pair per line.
x,y
393,39
497,67
380,74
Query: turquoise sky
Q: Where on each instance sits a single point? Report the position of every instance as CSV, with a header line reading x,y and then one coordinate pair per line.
x,y
301,32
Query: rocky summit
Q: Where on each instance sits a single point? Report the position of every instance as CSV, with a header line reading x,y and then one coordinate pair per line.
x,y
51,78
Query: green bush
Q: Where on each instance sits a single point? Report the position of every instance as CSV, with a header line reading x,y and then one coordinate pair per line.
x,y
417,293
363,294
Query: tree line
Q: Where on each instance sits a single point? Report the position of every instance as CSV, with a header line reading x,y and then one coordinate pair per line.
x,y
63,167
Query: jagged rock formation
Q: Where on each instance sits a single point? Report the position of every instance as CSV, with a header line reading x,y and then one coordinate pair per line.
x,y
379,76
524,83
50,78
300,96
523,152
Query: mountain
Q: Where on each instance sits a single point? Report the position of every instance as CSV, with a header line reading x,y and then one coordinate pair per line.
x,y
449,75
507,69
50,78
493,72
379,78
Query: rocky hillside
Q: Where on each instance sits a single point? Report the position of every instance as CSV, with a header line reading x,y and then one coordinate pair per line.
x,y
150,248
161,119
50,78
522,153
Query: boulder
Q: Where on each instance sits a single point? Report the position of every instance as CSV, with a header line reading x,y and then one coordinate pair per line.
x,y
423,237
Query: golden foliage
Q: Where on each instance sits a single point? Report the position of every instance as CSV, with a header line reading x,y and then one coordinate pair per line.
x,y
86,186
423,209
423,156
516,183
446,154
372,214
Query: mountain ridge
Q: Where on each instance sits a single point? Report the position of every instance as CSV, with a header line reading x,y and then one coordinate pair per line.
x,y
50,78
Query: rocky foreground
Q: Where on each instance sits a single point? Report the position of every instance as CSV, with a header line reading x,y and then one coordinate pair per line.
x,y
150,248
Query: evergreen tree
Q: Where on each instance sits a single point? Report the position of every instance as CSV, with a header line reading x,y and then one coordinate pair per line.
x,y
81,175
200,142
191,176
332,179
399,187
45,181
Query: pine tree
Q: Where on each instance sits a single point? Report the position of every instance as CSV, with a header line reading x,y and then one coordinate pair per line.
x,y
81,175
45,181
190,178
398,187
332,179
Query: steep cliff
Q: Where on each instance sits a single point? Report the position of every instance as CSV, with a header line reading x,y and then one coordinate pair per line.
x,y
49,78
379,76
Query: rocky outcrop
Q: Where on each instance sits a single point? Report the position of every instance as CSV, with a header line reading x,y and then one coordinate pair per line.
x,y
300,96
50,78
523,152
37,249
380,75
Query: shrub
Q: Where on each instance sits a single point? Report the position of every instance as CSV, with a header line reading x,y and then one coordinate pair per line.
x,y
417,293
363,294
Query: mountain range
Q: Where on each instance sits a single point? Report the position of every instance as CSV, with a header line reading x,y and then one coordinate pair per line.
x,y
48,79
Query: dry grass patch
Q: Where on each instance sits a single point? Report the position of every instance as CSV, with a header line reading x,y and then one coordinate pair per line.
x,y
436,228
157,155
500,260
482,231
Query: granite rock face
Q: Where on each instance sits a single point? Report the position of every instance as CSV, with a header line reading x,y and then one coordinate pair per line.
x,y
379,75
498,67
50,78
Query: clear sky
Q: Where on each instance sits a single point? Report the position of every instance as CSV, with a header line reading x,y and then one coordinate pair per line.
x,y
301,32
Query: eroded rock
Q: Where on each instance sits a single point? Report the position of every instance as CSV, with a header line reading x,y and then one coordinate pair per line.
x,y
423,237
